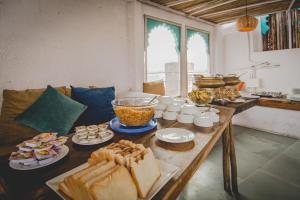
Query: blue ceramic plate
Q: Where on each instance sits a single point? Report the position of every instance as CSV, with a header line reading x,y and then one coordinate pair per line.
x,y
116,126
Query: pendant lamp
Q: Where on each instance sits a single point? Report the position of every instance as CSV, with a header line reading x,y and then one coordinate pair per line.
x,y
246,23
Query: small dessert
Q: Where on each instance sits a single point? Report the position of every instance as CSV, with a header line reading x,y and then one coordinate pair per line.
x,y
80,128
92,134
32,143
44,146
24,147
45,137
23,157
59,141
45,154
102,127
92,128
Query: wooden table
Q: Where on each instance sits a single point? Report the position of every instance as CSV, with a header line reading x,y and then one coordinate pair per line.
x,y
279,103
240,107
31,184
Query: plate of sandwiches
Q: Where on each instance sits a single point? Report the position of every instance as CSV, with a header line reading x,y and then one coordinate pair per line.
x,y
123,170
92,135
42,150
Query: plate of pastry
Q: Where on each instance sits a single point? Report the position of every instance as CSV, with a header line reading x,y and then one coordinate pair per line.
x,y
92,135
122,170
42,150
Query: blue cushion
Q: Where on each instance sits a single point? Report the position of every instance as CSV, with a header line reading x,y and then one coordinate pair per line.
x,y
52,112
99,104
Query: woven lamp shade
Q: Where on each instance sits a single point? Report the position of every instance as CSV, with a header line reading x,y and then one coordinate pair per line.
x,y
246,23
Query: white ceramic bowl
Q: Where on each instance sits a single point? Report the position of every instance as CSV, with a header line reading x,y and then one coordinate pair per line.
x,y
174,107
170,115
165,99
158,114
203,121
160,106
202,109
197,114
215,117
179,101
188,109
185,119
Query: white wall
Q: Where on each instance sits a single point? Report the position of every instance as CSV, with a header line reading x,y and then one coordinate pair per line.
x,y
235,55
78,42
63,42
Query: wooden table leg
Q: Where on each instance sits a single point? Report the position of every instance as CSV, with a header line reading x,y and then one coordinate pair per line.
x,y
233,164
226,159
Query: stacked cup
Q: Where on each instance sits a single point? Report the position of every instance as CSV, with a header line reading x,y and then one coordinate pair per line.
x,y
176,109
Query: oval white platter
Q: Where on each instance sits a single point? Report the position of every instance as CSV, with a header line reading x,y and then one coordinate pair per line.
x,y
94,142
175,135
64,150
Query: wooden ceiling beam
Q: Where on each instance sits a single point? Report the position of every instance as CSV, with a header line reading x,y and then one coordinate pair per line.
x,y
205,4
177,2
208,15
233,18
209,5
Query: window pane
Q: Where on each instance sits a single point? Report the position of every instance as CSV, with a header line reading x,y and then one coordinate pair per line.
x,y
197,54
163,51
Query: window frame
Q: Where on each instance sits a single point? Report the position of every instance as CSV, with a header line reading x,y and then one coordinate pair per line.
x,y
146,17
186,45
183,70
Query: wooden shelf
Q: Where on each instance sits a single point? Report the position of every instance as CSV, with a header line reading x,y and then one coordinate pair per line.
x,y
279,103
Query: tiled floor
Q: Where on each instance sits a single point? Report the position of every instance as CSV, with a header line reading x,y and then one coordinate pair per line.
x,y
268,168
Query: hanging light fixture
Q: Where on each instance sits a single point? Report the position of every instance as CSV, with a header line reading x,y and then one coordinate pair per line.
x,y
246,23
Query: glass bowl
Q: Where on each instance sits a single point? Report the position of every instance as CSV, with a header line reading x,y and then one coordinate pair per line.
x,y
134,111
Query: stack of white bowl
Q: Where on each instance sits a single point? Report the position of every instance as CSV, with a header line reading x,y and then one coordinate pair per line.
x,y
169,108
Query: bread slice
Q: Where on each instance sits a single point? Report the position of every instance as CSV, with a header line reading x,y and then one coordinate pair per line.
x,y
71,181
85,188
63,187
117,186
145,173
98,171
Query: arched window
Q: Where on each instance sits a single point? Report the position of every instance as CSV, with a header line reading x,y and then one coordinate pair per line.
x,y
197,54
162,57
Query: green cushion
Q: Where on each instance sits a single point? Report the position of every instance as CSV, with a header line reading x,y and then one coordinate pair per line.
x,y
52,112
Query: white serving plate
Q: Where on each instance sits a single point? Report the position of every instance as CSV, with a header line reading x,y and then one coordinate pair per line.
x,y
167,172
175,135
62,153
94,142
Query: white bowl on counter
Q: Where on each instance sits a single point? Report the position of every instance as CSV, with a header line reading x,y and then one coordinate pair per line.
x,y
188,109
161,106
179,101
215,117
174,107
185,119
202,109
170,115
165,100
204,123
158,114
